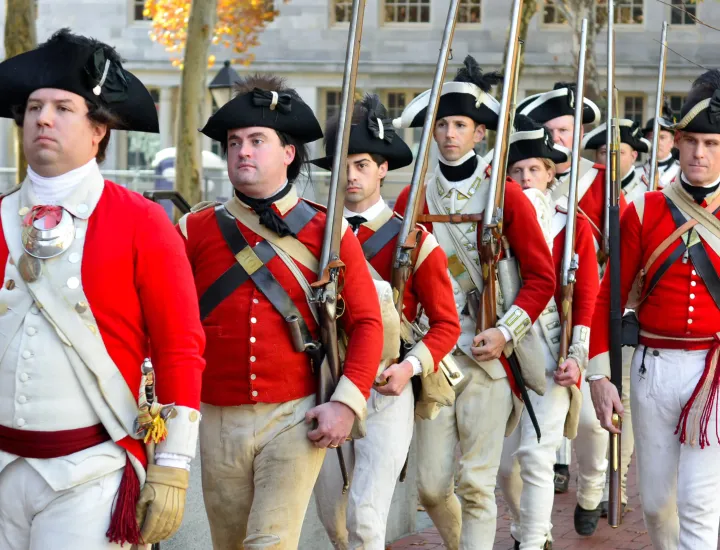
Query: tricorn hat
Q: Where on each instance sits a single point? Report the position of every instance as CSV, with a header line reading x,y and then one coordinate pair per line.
x,y
467,95
371,132
701,111
84,66
667,119
532,140
269,105
630,133
560,101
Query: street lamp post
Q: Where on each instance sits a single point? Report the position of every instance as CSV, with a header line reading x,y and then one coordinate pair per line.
x,y
221,87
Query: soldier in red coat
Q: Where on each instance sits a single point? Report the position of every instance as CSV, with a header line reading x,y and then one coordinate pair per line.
x,y
555,109
526,472
95,279
486,407
359,521
264,437
669,261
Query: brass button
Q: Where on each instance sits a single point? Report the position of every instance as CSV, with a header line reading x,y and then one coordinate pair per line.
x,y
10,284
3,308
81,307
24,210
194,416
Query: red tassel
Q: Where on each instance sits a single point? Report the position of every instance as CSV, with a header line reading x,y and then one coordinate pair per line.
x,y
123,527
711,364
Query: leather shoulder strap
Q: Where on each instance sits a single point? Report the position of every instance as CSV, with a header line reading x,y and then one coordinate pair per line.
x,y
389,230
248,259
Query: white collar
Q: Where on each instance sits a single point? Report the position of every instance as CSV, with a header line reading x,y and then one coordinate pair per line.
x,y
713,184
467,156
54,190
369,214
466,187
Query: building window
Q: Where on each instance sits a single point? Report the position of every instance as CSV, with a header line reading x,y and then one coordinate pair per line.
x,y
634,108
138,7
676,102
684,14
333,102
469,11
627,12
407,11
341,11
552,15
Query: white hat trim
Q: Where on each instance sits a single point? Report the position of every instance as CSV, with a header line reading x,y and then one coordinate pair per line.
x,y
421,102
539,99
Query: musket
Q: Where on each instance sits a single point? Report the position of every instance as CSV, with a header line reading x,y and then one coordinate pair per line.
x,y
408,237
613,178
653,184
570,257
330,270
491,239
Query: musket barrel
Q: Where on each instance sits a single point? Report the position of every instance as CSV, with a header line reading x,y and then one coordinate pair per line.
x,y
653,184
610,99
421,160
569,245
499,161
338,178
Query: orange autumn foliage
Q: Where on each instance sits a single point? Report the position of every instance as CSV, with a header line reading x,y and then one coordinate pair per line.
x,y
237,27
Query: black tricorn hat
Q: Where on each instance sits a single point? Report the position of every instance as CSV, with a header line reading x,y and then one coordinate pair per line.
x,y
667,119
532,140
630,133
278,107
701,111
467,95
560,101
84,66
371,132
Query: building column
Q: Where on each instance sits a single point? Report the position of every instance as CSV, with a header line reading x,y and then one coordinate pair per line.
x,y
165,117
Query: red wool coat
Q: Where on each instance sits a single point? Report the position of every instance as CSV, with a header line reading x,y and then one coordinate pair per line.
x,y
587,282
139,286
249,353
527,243
429,286
680,306
592,204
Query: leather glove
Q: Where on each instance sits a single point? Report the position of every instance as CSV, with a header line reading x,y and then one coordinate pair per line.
x,y
160,509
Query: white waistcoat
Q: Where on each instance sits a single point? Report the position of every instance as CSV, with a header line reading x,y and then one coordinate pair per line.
x,y
43,384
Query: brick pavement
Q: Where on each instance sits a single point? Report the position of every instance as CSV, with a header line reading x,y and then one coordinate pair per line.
x,y
631,535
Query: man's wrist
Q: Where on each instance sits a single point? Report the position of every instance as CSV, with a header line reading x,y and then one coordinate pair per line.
x,y
415,363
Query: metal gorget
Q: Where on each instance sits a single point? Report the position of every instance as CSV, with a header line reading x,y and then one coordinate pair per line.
x,y
47,243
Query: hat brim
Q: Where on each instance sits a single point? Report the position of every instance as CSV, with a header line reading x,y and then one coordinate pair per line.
x,y
241,112
554,104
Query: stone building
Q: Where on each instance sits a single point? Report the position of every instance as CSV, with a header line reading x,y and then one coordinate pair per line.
x,y
306,43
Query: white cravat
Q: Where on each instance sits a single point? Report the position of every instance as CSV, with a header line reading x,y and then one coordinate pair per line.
x,y
55,189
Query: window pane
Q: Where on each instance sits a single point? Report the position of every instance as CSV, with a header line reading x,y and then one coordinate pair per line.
x,y
409,11
425,14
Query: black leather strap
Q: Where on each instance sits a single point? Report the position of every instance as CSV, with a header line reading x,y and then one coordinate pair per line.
x,y
235,276
381,237
230,281
699,256
264,280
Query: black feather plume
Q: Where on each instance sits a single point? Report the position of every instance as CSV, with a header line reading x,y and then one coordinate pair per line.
x,y
373,107
472,73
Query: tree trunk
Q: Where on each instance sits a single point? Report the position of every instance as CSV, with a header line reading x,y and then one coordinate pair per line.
x,y
20,37
188,164
529,8
574,11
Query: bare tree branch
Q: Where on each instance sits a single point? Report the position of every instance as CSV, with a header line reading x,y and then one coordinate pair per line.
x,y
691,15
685,58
